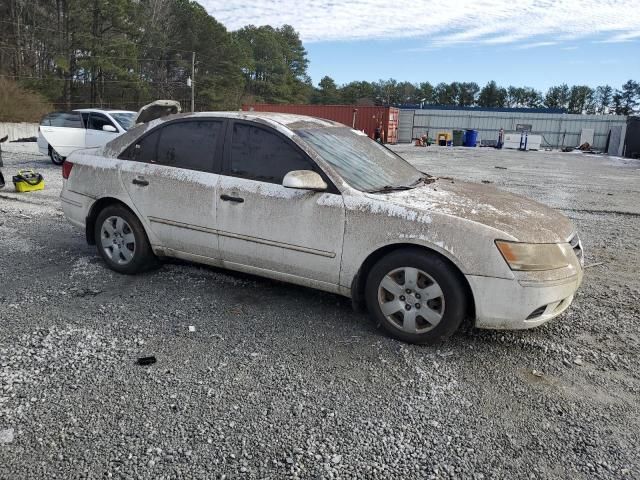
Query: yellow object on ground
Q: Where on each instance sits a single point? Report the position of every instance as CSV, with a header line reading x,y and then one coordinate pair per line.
x,y
28,181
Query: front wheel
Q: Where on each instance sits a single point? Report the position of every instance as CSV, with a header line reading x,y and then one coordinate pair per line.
x,y
56,158
417,296
122,242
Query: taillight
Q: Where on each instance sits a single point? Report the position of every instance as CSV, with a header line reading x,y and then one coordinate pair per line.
x,y
66,169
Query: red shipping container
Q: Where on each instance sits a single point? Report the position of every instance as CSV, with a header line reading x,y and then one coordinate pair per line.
x,y
360,117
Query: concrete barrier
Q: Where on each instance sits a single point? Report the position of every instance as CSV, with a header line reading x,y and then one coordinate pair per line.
x,y
18,130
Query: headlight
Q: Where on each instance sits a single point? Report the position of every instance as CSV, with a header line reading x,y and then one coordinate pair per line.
x,y
535,256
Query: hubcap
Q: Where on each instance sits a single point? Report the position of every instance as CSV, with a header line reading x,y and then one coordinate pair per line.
x,y
411,300
117,240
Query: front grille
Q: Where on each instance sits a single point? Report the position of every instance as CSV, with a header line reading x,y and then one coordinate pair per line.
x,y
576,244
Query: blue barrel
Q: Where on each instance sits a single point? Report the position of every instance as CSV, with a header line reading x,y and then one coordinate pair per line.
x,y
470,138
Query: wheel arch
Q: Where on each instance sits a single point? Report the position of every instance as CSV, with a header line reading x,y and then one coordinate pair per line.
x,y
95,210
359,280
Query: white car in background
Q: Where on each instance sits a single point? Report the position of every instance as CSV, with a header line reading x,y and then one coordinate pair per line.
x,y
60,133
313,202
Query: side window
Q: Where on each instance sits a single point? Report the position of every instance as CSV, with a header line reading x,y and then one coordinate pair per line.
x,y
143,150
85,119
261,155
190,144
97,121
62,119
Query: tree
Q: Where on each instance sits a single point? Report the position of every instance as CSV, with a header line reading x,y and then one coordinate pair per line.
x,y
387,92
277,70
357,93
467,92
445,94
629,97
603,98
326,93
408,93
581,99
557,97
426,93
492,95
523,97
617,104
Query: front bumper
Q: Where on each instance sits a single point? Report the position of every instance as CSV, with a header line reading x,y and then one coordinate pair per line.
x,y
515,304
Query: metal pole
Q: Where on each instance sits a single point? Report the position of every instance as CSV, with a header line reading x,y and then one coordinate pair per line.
x,y
193,81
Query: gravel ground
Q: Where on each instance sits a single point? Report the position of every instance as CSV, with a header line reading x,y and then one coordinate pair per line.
x,y
280,381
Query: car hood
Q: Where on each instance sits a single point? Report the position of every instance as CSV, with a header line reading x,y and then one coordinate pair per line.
x,y
520,218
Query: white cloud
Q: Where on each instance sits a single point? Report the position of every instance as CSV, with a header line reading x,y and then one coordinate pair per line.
x,y
438,22
526,46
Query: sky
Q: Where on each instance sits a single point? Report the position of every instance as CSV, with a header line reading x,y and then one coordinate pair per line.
x,y
536,43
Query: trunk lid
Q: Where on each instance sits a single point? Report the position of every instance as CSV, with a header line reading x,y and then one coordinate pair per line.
x,y
157,109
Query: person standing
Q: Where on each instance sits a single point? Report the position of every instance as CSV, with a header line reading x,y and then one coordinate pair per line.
x,y
3,139
500,138
377,134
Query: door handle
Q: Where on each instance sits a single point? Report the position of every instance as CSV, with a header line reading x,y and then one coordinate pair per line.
x,y
140,181
228,198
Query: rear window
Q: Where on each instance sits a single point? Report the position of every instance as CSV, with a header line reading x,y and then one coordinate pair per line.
x,y
63,119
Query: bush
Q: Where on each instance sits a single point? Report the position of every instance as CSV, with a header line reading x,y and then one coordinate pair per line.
x,y
20,105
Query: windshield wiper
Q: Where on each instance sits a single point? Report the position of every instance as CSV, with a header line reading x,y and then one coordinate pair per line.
x,y
426,179
389,188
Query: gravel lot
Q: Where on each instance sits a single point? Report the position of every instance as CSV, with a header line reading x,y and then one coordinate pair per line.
x,y
281,381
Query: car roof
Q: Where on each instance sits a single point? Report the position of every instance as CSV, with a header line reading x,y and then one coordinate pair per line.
x,y
101,110
288,120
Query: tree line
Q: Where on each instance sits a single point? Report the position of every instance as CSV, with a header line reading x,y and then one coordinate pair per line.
x,y
125,53
576,99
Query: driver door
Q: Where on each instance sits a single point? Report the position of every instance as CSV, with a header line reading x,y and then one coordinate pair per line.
x,y
264,227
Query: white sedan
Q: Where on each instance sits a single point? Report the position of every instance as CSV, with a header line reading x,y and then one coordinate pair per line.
x,y
60,133
315,203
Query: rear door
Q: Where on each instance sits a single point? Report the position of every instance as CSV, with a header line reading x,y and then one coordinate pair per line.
x,y
171,180
96,135
265,226
64,131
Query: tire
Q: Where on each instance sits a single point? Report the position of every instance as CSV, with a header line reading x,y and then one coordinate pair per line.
x,y
122,242
416,295
55,157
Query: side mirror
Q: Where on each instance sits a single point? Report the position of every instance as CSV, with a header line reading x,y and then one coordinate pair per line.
x,y
304,180
109,128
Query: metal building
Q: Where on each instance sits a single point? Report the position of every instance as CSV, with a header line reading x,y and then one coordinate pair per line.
x,y
557,129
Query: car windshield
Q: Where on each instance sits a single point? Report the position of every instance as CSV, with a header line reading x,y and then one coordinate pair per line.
x,y
364,164
125,119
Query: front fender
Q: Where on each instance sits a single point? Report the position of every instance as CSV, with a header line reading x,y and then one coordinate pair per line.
x,y
372,226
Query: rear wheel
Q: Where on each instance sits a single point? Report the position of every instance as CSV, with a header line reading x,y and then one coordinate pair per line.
x,y
417,296
56,158
122,242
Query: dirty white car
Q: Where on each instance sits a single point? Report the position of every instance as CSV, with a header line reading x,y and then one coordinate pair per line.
x,y
60,133
315,203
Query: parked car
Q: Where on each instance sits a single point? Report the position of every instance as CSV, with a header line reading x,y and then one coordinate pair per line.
x,y
315,203
60,133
